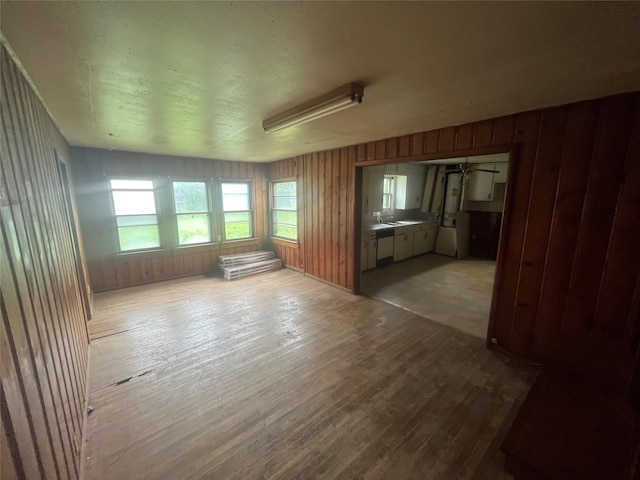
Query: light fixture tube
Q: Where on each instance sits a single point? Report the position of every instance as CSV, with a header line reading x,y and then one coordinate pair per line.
x,y
332,102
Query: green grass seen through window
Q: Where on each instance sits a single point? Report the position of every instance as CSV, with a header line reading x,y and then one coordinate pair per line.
x,y
193,228
136,238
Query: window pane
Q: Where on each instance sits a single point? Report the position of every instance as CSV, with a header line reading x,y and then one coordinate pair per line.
x,y
237,225
132,184
284,188
232,202
134,203
190,197
285,231
135,238
193,229
290,218
235,188
387,185
134,220
235,197
284,203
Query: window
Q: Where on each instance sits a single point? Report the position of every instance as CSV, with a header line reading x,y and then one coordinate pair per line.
x,y
284,210
136,218
236,205
192,212
387,192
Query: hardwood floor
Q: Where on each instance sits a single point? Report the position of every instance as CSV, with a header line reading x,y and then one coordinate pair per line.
x,y
279,376
443,289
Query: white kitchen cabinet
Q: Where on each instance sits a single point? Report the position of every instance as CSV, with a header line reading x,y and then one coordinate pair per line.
x,y
432,228
368,251
480,186
424,238
420,239
372,185
403,243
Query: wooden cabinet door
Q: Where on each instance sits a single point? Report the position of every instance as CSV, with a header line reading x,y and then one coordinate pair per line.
x,y
484,234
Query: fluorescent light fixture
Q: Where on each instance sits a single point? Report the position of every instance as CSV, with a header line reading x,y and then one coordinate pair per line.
x,y
332,102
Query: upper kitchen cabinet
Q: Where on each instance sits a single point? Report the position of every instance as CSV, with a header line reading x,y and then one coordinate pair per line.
x,y
372,185
481,185
409,185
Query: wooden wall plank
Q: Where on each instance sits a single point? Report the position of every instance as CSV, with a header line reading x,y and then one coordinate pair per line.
x,y
464,136
44,334
572,184
540,211
608,160
504,130
417,144
323,212
432,141
447,139
381,149
315,218
335,231
404,146
614,308
371,151
508,271
483,134
342,221
352,238
390,148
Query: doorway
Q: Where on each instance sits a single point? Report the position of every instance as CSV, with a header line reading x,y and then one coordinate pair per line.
x,y
63,177
452,283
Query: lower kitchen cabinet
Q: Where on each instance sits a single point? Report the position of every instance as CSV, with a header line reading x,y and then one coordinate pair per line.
x,y
424,238
403,243
368,251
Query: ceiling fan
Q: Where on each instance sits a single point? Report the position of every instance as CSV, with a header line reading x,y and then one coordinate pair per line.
x,y
467,168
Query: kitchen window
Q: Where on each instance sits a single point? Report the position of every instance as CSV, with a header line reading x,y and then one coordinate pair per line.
x,y
284,210
192,212
388,188
136,216
237,210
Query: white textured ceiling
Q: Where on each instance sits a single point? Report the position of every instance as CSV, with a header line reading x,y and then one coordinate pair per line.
x,y
197,79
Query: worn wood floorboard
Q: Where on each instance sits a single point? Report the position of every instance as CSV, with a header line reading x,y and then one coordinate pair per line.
x,y
279,376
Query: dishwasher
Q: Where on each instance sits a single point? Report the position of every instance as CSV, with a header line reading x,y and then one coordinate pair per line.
x,y
384,254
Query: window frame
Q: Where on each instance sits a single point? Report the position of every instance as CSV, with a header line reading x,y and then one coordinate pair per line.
x,y
390,195
223,223
154,190
272,209
175,214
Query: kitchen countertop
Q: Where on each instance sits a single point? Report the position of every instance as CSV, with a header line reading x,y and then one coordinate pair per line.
x,y
372,227
376,226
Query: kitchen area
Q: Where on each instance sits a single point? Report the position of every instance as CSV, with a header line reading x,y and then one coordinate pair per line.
x,y
430,233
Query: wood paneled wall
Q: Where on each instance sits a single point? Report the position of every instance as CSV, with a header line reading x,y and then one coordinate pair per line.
x,y
108,270
326,214
568,258
43,336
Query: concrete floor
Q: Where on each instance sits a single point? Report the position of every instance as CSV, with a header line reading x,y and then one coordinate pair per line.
x,y
443,289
